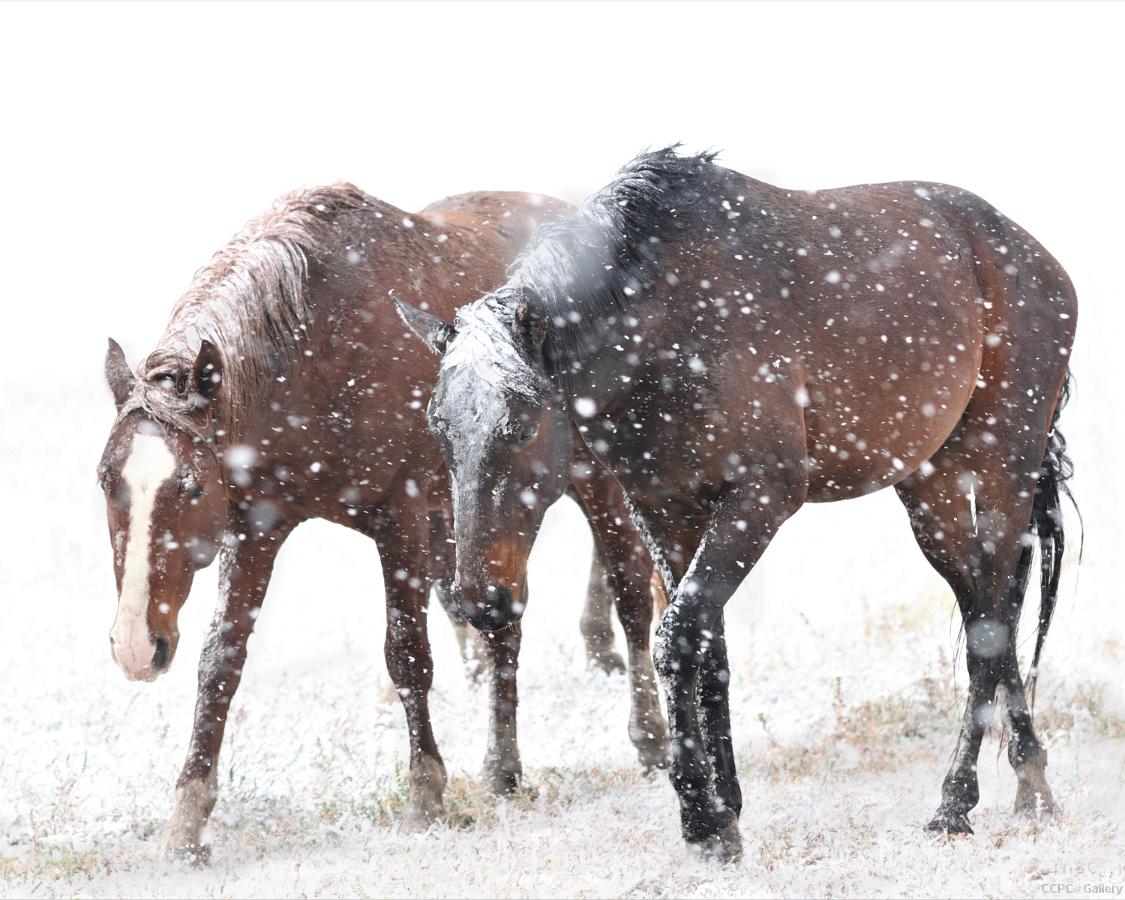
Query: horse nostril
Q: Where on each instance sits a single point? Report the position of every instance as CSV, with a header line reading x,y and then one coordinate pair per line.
x,y
160,657
504,610
497,610
111,640
500,601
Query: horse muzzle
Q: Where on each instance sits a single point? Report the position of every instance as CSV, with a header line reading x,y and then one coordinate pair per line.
x,y
497,609
143,660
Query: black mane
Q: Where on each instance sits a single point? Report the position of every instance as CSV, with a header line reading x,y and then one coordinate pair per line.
x,y
599,262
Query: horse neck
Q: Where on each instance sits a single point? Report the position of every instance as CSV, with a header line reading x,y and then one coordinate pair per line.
x,y
603,353
261,366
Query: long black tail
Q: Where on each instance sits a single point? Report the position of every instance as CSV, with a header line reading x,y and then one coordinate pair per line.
x,y
1047,524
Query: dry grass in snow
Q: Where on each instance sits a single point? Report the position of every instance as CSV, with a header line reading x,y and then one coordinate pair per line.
x,y
846,698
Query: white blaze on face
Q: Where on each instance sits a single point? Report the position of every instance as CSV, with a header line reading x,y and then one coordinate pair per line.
x,y
149,466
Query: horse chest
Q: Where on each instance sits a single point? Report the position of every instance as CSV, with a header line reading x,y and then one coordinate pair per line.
x,y
669,446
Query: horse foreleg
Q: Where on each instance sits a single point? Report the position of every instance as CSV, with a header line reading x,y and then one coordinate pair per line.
x,y
691,653
681,646
502,766
714,702
402,533
245,569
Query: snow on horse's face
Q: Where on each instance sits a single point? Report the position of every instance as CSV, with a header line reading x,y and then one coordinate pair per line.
x,y
166,504
505,438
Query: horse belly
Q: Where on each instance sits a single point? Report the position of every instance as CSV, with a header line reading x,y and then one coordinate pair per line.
x,y
842,473
861,441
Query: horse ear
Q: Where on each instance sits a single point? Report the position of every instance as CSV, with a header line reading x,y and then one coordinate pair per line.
x,y
530,320
207,371
117,373
435,332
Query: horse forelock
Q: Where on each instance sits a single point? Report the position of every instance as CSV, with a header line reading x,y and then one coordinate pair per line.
x,y
252,302
169,408
482,371
486,349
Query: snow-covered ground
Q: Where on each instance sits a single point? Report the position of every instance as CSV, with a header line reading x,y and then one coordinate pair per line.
x,y
846,698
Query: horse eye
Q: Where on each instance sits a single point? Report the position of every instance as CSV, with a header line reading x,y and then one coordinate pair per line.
x,y
196,492
527,433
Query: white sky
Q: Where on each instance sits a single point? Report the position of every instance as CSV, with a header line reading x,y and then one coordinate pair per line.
x,y
138,138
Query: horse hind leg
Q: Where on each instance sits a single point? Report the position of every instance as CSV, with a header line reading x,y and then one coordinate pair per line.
x,y
971,513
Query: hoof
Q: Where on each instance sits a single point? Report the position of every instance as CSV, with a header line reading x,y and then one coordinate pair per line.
x,y
502,782
425,808
949,822
417,820
192,854
182,835
183,843
427,786
653,754
724,847
1034,805
502,775
647,728
609,661
1033,795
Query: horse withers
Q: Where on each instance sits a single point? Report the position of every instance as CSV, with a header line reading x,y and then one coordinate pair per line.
x,y
732,350
285,388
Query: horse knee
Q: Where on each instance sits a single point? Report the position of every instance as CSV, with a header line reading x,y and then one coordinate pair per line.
x,y
676,651
408,660
664,661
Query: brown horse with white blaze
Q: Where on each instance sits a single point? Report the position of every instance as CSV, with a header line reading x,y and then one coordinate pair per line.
x,y
285,388
732,350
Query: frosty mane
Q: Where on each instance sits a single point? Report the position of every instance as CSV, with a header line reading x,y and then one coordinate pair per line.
x,y
251,302
600,261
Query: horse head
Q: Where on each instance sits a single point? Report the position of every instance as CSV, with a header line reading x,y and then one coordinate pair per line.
x,y
166,498
505,435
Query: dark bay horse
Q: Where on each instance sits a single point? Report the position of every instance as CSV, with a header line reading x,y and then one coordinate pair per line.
x,y
733,350
286,388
